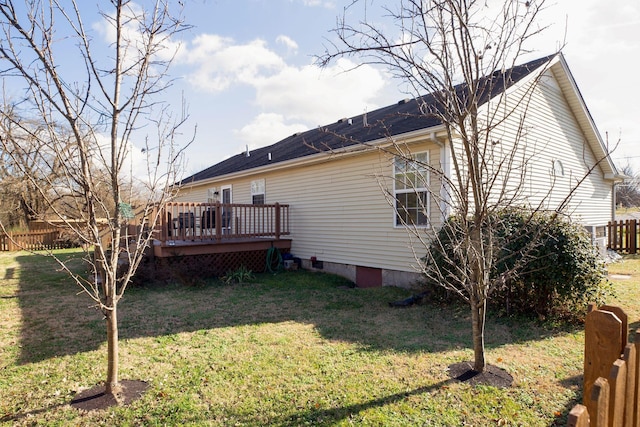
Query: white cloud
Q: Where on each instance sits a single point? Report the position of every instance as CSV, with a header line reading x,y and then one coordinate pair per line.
x,y
319,96
290,98
319,3
289,43
220,63
267,128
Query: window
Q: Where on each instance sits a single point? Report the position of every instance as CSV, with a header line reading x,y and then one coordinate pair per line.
x,y
411,189
257,192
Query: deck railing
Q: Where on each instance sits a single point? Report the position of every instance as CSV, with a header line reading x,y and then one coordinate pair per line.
x,y
190,221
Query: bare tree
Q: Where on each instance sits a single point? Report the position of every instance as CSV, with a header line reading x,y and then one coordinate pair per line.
x,y
94,106
24,160
628,192
455,56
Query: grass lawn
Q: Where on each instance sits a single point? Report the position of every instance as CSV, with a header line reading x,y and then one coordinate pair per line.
x,y
293,349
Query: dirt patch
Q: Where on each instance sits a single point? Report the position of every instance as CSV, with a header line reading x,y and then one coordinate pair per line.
x,y
492,375
95,398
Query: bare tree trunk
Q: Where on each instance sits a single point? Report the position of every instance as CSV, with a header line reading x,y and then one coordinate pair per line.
x,y
112,385
478,315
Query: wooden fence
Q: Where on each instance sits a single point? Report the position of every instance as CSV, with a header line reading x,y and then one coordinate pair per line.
x,y
33,240
611,371
624,236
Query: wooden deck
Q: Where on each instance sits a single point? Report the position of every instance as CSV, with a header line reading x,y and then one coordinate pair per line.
x,y
203,247
188,228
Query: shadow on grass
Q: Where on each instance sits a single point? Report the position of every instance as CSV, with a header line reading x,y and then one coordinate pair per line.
x,y
330,416
24,415
56,321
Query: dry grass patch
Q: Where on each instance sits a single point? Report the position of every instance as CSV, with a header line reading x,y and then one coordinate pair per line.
x,y
292,349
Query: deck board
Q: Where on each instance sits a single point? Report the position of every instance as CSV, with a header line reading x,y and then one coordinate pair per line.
x,y
170,248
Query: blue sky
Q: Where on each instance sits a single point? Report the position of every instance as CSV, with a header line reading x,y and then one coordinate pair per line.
x,y
246,70
248,73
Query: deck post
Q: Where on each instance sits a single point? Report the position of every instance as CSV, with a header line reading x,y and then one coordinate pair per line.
x,y
277,207
218,221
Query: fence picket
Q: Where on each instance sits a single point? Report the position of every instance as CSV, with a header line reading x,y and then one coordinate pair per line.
x,y
578,416
630,357
600,398
624,236
617,388
636,403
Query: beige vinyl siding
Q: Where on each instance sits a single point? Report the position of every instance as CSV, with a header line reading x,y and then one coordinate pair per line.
x,y
555,125
190,194
340,214
550,132
338,211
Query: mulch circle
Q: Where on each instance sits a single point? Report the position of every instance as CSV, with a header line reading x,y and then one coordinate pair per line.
x,y
95,398
492,375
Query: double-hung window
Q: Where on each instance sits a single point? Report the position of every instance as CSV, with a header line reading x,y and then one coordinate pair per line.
x,y
411,189
258,192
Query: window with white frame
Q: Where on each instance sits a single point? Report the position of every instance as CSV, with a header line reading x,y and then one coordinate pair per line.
x,y
257,192
411,189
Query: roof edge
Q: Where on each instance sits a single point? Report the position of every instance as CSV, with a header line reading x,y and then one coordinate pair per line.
x,y
322,156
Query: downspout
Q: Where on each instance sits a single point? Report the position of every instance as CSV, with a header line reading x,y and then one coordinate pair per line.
x,y
613,201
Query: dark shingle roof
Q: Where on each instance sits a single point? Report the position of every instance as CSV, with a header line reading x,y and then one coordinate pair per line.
x,y
396,119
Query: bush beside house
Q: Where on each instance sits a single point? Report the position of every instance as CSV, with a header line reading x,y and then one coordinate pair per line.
x,y
549,264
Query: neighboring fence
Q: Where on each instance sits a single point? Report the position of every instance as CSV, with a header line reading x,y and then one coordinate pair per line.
x,y
624,236
610,393
31,240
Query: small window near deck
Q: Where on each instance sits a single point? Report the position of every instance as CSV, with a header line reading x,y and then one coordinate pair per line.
x,y
411,190
257,192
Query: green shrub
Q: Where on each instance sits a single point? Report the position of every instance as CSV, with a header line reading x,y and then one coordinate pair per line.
x,y
550,265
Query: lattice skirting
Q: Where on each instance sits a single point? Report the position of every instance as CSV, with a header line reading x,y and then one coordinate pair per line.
x,y
190,268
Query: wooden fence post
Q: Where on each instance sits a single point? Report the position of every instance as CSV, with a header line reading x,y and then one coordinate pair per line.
x,y
625,323
603,344
10,244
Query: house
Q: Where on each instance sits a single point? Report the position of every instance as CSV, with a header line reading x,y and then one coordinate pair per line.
x,y
338,180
